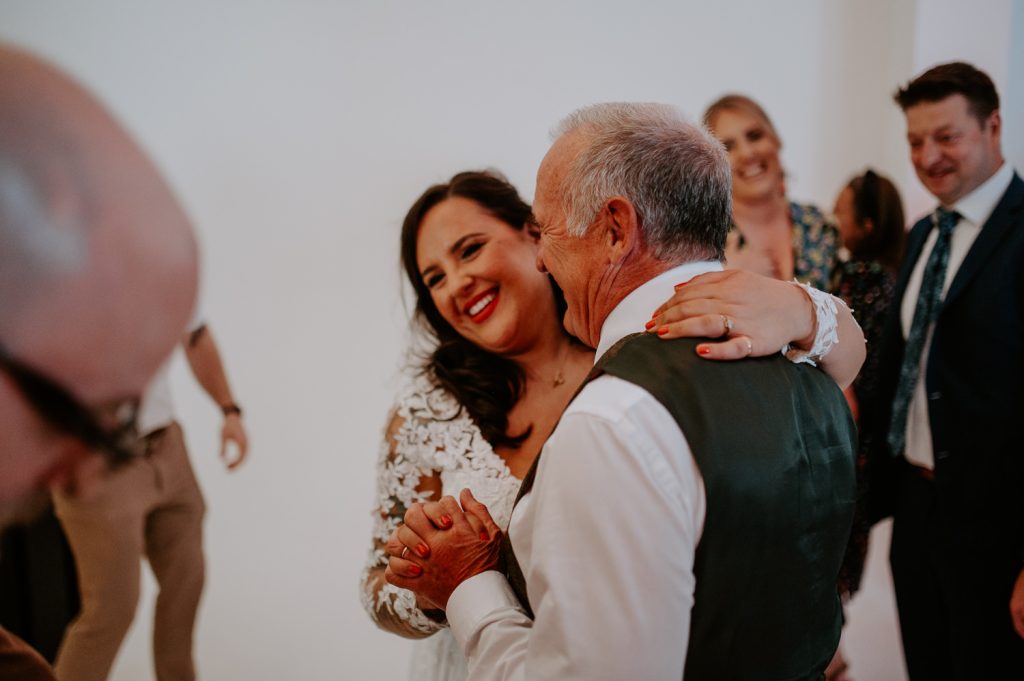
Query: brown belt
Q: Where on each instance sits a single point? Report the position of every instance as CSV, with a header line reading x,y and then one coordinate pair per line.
x,y
152,440
921,472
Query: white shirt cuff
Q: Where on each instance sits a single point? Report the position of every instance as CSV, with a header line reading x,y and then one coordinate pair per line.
x,y
475,601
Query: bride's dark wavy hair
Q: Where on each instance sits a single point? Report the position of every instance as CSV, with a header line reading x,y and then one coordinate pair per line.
x,y
485,384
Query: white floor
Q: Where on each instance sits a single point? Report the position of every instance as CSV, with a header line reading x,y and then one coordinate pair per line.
x,y
871,640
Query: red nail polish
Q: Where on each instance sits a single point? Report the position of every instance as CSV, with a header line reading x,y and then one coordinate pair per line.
x,y
662,331
422,550
484,536
446,520
682,285
415,570
650,325
704,350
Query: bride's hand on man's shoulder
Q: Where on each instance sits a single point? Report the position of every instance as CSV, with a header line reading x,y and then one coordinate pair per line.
x,y
751,315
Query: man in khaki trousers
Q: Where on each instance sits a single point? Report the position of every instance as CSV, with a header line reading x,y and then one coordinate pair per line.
x,y
152,508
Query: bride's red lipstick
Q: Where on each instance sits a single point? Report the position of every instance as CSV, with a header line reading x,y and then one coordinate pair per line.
x,y
487,310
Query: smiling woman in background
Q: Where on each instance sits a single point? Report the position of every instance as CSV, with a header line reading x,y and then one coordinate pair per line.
x,y
771,235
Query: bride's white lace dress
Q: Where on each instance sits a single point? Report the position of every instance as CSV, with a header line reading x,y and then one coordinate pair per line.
x,y
429,435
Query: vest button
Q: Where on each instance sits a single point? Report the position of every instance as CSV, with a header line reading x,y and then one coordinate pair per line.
x,y
935,396
942,455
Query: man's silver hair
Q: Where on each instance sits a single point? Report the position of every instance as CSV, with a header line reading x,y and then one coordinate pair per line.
x,y
674,173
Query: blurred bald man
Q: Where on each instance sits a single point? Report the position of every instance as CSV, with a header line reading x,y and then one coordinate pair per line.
x,y
97,282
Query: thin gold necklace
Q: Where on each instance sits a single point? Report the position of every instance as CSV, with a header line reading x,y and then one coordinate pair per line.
x,y
560,374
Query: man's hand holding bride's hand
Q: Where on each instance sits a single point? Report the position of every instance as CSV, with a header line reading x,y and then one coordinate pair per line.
x,y
440,545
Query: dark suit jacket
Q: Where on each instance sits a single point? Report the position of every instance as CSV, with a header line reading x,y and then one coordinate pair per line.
x,y
975,385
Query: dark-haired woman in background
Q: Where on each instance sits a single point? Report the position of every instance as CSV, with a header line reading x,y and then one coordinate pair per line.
x,y
870,217
498,374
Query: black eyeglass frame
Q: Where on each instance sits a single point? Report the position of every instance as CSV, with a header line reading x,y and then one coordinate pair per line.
x,y
64,412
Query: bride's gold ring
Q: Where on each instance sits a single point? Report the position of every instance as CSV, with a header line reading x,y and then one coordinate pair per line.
x,y
405,550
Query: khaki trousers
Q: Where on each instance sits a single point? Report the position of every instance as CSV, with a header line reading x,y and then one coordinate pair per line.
x,y
151,507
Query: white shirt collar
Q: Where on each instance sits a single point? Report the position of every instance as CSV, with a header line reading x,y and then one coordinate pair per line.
x,y
979,204
633,311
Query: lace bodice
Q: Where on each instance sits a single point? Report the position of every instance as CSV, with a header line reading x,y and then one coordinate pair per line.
x,y
429,435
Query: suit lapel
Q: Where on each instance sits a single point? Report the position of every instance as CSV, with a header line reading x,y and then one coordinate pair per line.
x,y
1002,220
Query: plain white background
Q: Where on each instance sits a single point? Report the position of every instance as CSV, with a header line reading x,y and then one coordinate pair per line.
x,y
297,133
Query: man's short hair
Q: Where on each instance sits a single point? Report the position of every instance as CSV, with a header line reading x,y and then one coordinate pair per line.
x,y
675,174
954,78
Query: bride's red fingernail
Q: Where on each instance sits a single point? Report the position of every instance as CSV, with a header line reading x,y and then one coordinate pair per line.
x,y
415,570
662,331
422,550
446,520
682,285
650,325
704,350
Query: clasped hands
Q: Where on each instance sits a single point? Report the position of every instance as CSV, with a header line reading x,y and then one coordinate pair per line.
x,y
440,545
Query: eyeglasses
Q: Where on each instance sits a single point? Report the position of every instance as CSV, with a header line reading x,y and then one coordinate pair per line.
x,y
111,430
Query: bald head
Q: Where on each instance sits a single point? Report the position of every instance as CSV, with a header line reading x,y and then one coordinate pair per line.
x,y
97,259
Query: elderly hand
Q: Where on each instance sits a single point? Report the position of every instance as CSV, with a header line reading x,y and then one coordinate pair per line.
x,y
1017,605
440,546
753,315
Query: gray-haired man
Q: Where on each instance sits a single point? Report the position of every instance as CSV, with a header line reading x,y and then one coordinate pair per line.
x,y
684,516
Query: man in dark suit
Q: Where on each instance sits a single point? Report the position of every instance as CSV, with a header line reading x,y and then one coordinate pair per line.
x,y
947,461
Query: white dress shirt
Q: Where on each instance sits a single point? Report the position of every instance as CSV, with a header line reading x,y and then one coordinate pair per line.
x,y
156,410
975,209
606,538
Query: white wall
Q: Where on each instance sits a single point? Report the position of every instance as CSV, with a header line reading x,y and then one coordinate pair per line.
x,y
297,133
1013,96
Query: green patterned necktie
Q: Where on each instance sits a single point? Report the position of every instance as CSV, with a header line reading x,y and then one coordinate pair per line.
x,y
929,302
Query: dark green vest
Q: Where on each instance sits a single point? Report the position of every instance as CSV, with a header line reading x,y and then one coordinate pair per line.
x,y
774,443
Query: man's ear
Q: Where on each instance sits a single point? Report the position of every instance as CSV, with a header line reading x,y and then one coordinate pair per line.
x,y
995,124
622,228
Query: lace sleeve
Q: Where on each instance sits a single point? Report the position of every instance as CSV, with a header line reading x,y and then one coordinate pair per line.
x,y
827,335
402,478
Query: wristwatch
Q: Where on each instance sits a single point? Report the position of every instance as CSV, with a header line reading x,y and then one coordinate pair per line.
x,y
231,408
